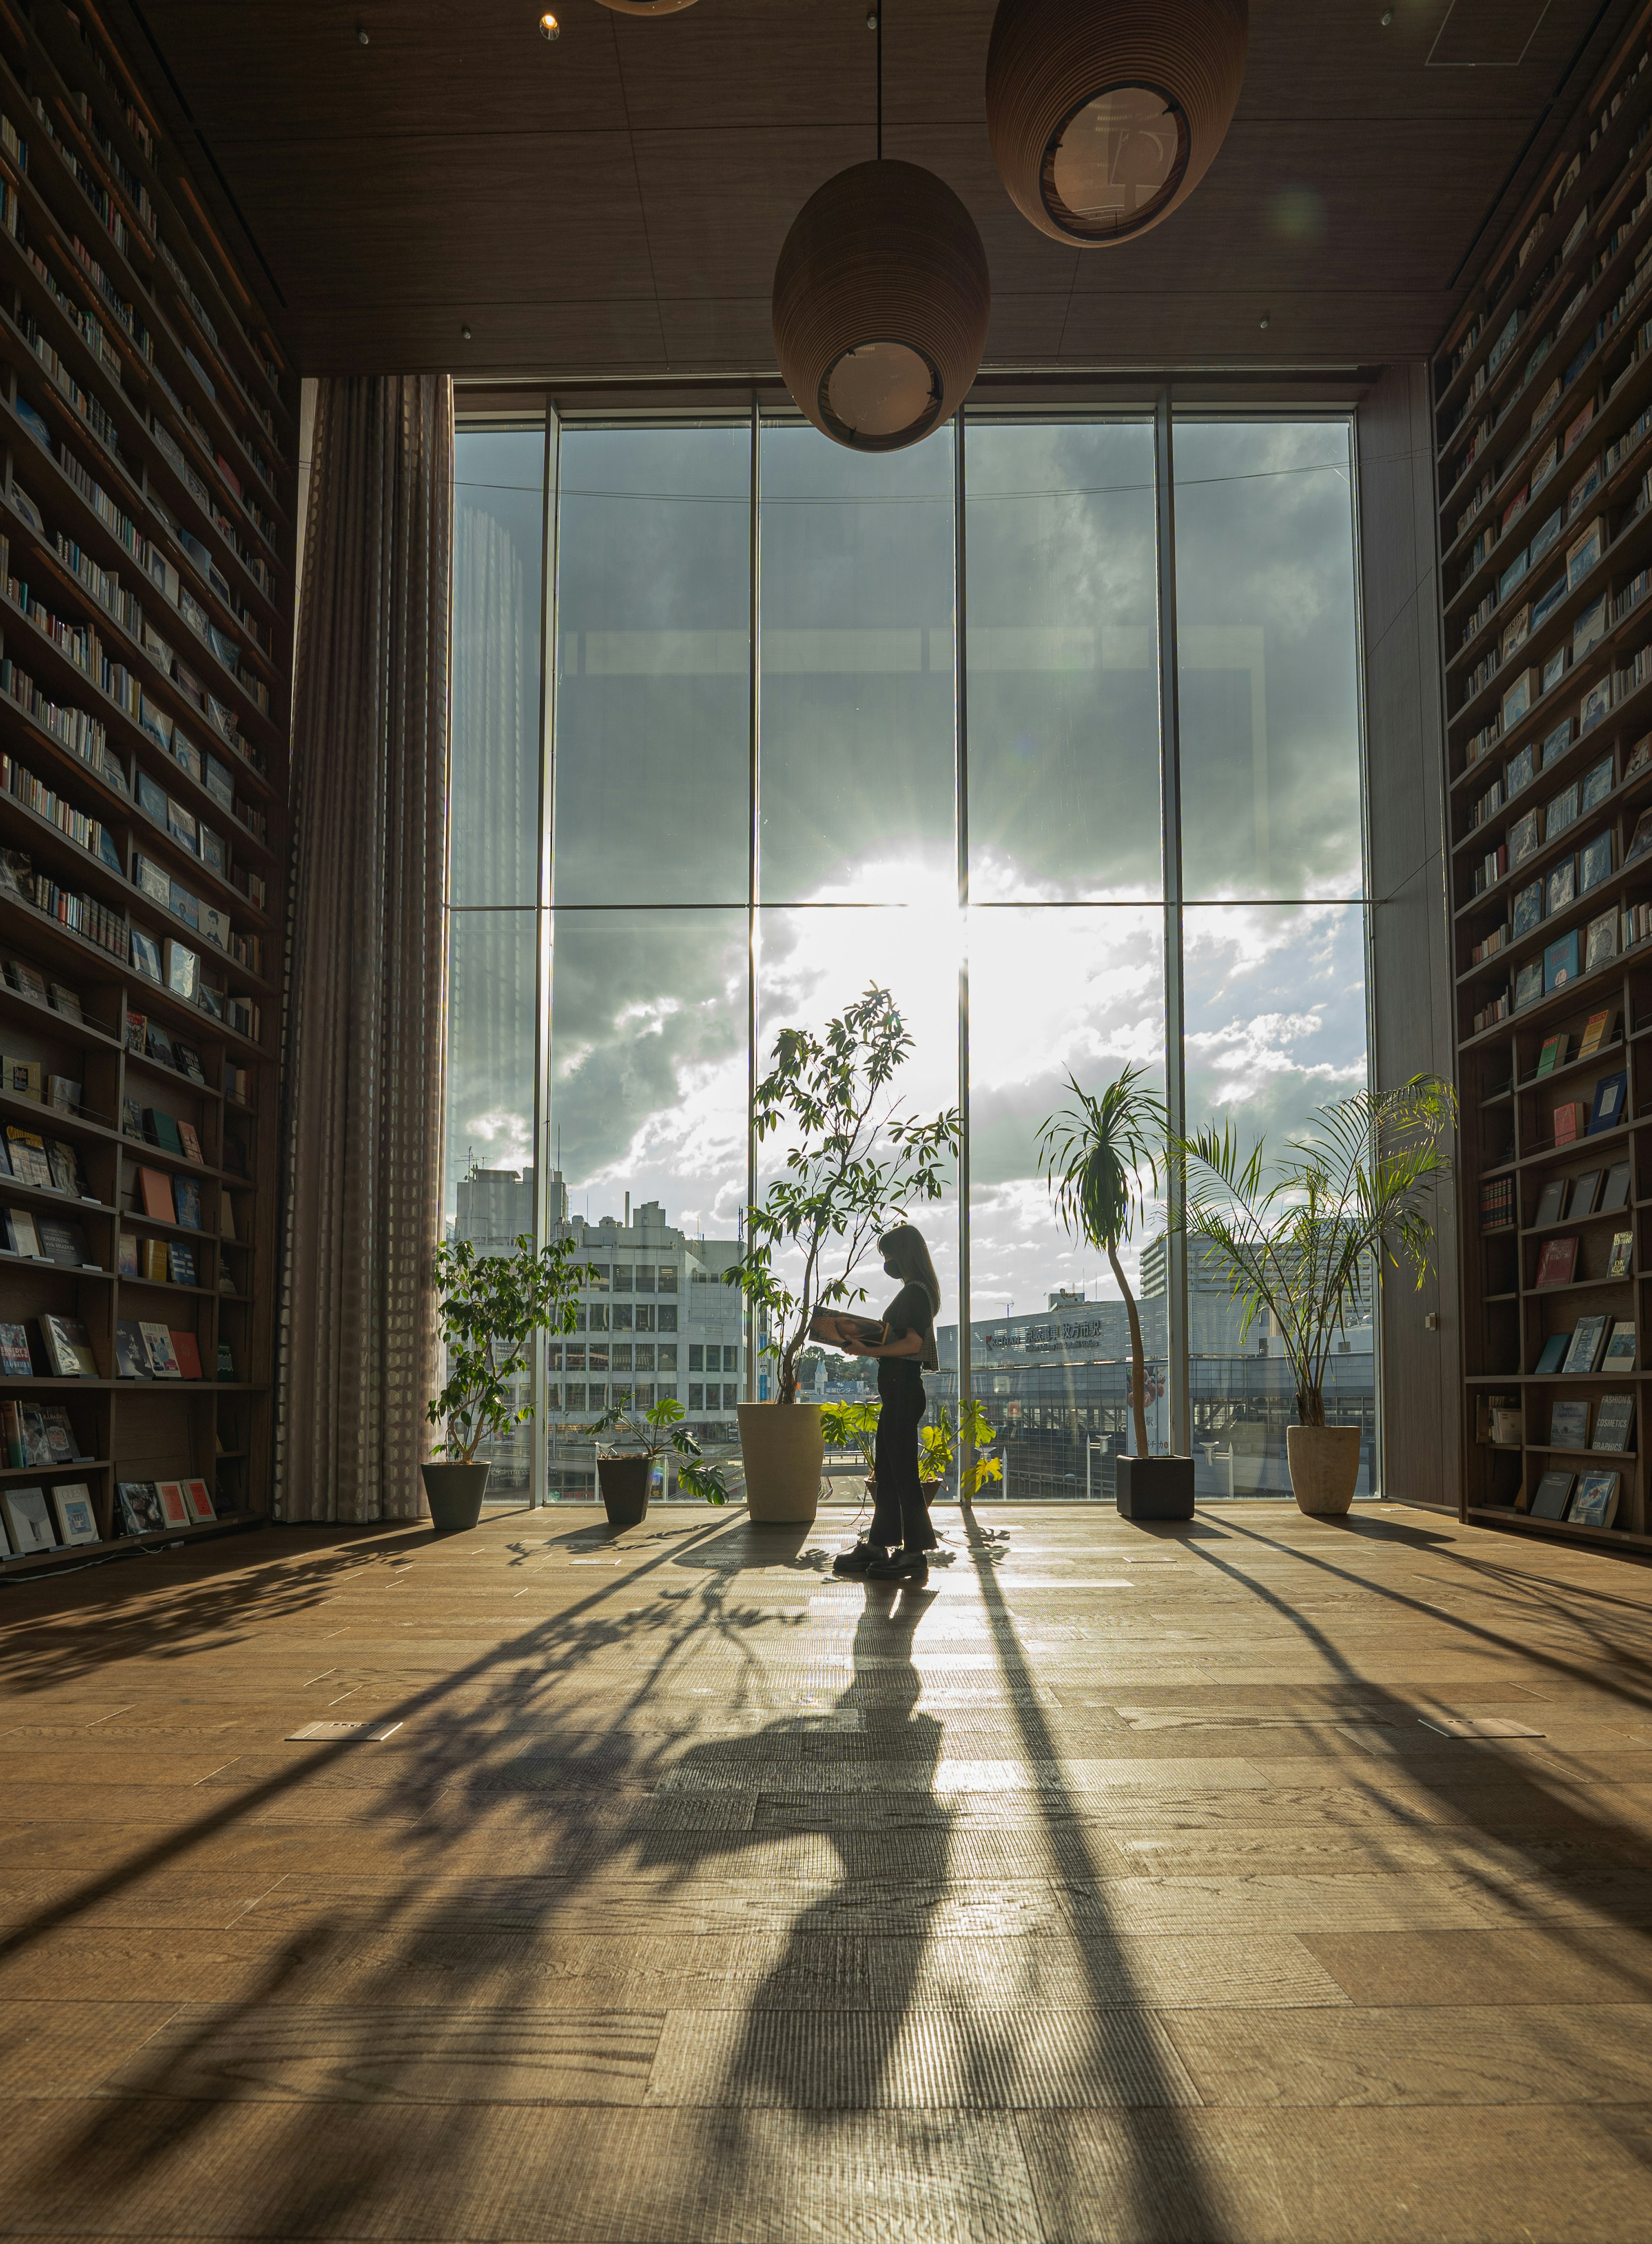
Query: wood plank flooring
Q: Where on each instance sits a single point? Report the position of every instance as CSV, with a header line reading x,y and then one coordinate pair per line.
x,y
1109,1886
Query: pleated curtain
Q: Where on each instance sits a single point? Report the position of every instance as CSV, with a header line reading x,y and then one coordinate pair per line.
x,y
362,1108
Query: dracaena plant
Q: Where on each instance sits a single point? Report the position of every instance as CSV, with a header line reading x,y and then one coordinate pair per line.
x,y
1095,1155
1355,1192
489,1310
858,1160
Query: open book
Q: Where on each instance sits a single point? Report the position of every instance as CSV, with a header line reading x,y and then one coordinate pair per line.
x,y
837,1328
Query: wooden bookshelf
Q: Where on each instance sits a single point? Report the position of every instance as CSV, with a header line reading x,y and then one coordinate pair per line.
x,y
148,424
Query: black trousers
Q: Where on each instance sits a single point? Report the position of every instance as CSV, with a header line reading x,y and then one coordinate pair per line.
x,y
900,1514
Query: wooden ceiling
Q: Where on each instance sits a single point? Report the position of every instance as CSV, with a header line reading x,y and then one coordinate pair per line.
x,y
613,201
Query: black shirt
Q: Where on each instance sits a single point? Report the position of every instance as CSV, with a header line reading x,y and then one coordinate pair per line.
x,y
909,1312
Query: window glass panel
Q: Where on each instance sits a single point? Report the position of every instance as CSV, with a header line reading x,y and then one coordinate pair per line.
x,y
499,550
856,714
653,632
1268,648
648,1113
1276,1011
812,963
1076,990
1062,654
491,975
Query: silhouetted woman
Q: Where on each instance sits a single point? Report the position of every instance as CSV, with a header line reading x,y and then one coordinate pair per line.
x,y
901,1536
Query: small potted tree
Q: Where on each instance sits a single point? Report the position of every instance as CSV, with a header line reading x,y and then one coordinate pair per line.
x,y
625,1469
1094,1154
1356,1192
489,1310
857,1159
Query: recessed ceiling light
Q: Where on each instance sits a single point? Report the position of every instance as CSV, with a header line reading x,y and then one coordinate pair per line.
x,y
549,27
361,34
1266,320
1388,17
465,330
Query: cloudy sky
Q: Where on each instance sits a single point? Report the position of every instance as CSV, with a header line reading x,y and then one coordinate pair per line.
x,y
858,847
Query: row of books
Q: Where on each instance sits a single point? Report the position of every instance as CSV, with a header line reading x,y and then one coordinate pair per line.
x,y
40,1434
28,1079
1497,1204
153,1125
42,1163
1595,1345
35,1519
61,1349
1587,1499
148,1507
1598,1031
1573,1119
1557,1260
29,982
41,1237
1596,1191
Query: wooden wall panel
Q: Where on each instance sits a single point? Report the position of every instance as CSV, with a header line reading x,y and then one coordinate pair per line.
x,y
1421,1367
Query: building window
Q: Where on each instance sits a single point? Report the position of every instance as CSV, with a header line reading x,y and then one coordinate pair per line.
x,y
860,751
668,1359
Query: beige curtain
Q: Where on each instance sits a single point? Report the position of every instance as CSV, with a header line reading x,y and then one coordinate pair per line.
x,y
365,985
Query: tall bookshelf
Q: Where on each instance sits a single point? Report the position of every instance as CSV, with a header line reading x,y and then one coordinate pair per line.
x,y
1543,422
148,417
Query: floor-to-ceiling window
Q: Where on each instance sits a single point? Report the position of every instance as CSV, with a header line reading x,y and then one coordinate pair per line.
x,y
802,719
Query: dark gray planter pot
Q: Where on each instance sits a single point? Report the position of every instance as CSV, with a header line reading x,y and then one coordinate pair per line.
x,y
1156,1488
455,1494
623,1482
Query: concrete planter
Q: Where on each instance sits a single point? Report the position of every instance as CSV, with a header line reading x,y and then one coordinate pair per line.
x,y
784,1448
1156,1488
624,1482
454,1494
1325,1467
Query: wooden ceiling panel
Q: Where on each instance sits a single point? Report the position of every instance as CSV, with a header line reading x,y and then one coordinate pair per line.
x,y
618,197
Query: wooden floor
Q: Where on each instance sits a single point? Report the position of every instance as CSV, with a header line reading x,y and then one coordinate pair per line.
x,y
1108,1887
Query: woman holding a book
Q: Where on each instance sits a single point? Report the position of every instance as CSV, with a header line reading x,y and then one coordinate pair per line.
x,y
896,1548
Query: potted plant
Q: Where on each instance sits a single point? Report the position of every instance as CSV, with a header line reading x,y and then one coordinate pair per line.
x,y
938,1452
624,1473
1354,1192
489,1309
853,1426
1094,1155
857,1159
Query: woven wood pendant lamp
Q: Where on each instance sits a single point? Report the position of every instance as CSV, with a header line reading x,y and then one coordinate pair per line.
x,y
882,297
1104,115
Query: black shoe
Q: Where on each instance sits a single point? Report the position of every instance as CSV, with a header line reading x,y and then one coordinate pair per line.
x,y
860,1560
902,1565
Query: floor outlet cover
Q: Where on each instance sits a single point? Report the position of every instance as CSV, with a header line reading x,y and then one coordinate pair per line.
x,y
358,1733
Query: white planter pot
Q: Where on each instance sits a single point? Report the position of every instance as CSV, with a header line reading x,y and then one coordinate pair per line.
x,y
784,1448
1324,1466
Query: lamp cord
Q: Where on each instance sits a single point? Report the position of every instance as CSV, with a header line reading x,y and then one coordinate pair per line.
x,y
880,81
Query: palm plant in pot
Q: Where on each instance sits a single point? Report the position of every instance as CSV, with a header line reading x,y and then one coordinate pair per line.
x,y
857,1158
489,1310
626,1469
1355,1192
1096,1154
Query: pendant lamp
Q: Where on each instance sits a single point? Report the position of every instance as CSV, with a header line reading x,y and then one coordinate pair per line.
x,y
882,297
1104,115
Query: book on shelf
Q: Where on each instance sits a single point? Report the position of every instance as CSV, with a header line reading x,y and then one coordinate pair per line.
x,y
1551,1203
1552,1494
1615,1193
1598,1030
67,1349
16,1358
1551,1355
163,1362
1595,1500
71,1506
131,1355
1623,1256
63,1242
202,1510
187,1353
174,1505
1586,1192
1557,1262
1610,1102
1589,1336
22,1234
28,1520
1552,1055
1601,940
1569,1121
1568,1425
1613,1419
1618,1354
1560,958
155,1187
141,1512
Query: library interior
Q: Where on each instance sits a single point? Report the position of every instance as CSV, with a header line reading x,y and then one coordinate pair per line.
x,y
998,1090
